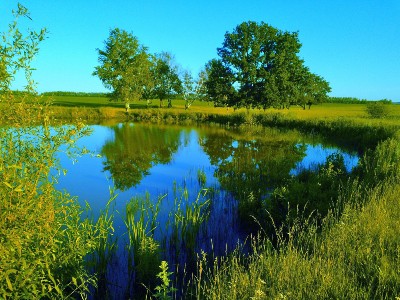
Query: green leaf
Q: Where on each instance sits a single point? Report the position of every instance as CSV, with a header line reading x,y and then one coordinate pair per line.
x,y
7,184
19,188
10,287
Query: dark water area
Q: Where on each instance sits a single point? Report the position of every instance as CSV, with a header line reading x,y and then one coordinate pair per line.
x,y
174,168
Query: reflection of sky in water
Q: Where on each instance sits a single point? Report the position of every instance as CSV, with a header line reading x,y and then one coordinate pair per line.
x,y
317,154
87,179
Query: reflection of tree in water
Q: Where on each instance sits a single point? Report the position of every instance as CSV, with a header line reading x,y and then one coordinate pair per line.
x,y
250,168
135,149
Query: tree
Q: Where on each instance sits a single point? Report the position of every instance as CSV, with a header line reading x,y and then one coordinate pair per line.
x,y
193,88
124,67
188,89
316,90
261,64
201,89
18,52
219,83
165,76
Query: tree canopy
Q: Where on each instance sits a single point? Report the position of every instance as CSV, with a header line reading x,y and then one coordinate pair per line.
x,y
124,66
165,77
259,67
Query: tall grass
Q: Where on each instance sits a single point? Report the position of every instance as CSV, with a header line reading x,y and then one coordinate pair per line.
x,y
188,218
100,261
142,249
353,254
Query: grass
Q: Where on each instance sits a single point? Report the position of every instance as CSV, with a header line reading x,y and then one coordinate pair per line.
x,y
352,255
321,111
143,250
100,110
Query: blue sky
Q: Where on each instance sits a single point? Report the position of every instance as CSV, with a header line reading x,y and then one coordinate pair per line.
x,y
354,45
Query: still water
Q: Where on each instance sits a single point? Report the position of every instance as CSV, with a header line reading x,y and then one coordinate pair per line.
x,y
172,162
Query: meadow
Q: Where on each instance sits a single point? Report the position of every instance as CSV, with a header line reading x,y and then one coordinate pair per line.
x,y
323,110
350,251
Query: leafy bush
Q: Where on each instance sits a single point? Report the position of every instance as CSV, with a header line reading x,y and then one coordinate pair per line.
x,y
377,110
43,238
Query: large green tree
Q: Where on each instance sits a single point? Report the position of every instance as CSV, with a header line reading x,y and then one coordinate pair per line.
x,y
219,83
165,77
259,66
124,66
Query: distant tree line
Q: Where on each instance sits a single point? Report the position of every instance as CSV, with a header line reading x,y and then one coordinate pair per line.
x,y
75,94
258,67
352,100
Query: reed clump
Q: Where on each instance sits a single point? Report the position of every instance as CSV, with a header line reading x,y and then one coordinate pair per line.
x,y
142,248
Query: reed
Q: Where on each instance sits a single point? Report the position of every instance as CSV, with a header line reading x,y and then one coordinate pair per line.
x,y
187,220
201,178
100,262
142,249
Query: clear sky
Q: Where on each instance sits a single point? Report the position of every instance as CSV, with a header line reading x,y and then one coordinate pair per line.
x,y
353,44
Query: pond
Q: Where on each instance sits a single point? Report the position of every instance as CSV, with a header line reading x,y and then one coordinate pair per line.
x,y
186,183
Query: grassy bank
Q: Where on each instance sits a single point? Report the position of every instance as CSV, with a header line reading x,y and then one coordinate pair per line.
x,y
353,255
356,258
348,124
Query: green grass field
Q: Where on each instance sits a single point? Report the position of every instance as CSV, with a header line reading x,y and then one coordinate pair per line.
x,y
327,111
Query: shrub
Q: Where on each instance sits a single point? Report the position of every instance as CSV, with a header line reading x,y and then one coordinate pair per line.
x,y
43,238
377,110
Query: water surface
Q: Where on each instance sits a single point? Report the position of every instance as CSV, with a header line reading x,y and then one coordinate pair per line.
x,y
175,162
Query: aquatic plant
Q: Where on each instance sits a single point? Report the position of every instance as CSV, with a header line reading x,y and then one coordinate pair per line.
x,y
164,290
100,261
188,218
142,249
201,178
